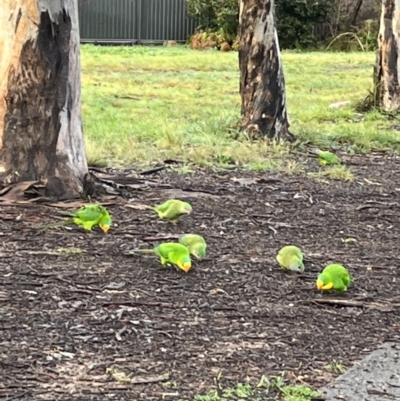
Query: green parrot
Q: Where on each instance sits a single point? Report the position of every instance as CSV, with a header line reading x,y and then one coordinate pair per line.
x,y
86,217
327,158
334,277
173,253
290,257
172,209
195,243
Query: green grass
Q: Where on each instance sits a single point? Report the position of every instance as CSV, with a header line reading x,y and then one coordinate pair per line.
x,y
336,367
146,104
266,390
342,173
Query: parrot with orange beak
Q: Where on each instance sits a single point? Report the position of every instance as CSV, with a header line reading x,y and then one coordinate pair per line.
x,y
172,253
334,277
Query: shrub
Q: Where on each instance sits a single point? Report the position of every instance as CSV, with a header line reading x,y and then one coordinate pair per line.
x,y
296,19
216,15
208,39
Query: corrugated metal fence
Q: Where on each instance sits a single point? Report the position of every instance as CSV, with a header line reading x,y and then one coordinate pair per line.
x,y
134,21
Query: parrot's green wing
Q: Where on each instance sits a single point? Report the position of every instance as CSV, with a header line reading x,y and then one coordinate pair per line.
x,y
346,279
290,257
164,206
327,158
341,277
85,212
89,212
195,243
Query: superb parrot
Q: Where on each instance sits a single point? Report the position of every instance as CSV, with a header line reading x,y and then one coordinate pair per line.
x,y
195,243
86,217
172,209
334,277
173,253
327,158
290,257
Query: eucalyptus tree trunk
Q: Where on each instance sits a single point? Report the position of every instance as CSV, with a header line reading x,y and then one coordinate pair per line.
x,y
262,83
387,68
40,94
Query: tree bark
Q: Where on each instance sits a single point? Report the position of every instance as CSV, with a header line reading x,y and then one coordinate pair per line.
x,y
386,71
262,83
41,134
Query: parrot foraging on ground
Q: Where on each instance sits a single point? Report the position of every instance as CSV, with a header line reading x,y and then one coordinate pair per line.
x,y
172,209
195,243
334,277
86,217
290,257
327,158
173,253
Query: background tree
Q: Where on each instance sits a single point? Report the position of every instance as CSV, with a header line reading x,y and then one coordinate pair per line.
x,y
386,72
262,84
40,94
299,23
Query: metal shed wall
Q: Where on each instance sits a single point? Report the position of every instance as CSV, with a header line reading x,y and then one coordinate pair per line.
x,y
134,21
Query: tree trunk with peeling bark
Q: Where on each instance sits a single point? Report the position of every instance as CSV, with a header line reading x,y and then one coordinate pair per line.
x,y
40,94
387,67
262,83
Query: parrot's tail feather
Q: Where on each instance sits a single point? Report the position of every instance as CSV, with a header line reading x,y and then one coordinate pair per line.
x,y
149,207
54,225
65,213
143,250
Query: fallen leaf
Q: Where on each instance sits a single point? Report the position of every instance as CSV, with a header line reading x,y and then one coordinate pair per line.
x,y
370,182
346,240
16,192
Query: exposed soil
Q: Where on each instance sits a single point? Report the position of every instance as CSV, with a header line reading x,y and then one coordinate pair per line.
x,y
65,318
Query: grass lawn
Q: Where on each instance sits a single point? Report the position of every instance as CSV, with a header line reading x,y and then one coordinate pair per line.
x,y
146,104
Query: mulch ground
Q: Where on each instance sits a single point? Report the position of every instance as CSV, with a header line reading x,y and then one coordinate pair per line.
x,y
66,319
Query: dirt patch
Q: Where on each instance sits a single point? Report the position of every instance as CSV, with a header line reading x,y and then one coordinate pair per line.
x,y
67,317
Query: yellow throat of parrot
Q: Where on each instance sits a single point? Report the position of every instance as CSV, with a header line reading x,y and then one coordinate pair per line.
x,y
322,286
185,266
104,227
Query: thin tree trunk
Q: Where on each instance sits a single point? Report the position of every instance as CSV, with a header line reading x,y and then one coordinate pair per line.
x,y
40,94
386,71
262,84
353,18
